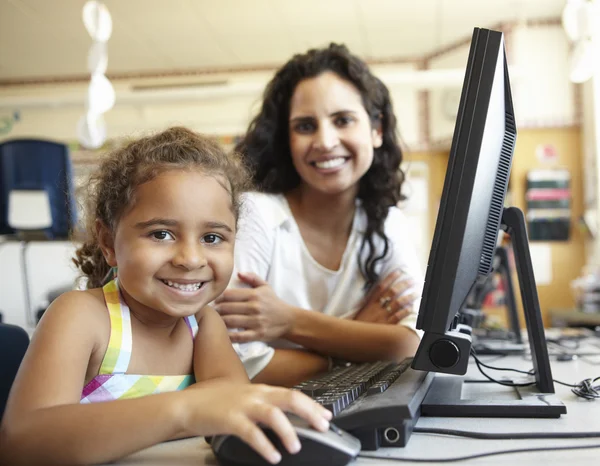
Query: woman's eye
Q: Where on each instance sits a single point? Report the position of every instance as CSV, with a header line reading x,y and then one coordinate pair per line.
x,y
304,127
212,239
343,121
161,235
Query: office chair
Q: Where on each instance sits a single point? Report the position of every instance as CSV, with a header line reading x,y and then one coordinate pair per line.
x,y
36,189
13,345
36,197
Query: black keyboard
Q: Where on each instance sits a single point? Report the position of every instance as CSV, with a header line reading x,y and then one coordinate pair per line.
x,y
377,402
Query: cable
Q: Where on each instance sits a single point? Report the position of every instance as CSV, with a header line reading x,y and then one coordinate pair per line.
x,y
489,377
505,436
476,358
479,455
584,389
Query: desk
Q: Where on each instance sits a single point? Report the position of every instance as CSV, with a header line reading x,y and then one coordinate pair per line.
x,y
582,416
573,318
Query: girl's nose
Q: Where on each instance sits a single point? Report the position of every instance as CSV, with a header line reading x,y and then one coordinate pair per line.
x,y
190,256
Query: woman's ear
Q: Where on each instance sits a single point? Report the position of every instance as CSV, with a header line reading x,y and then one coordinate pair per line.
x,y
377,133
377,138
106,242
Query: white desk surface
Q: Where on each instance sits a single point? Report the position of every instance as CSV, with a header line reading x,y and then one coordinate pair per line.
x,y
582,416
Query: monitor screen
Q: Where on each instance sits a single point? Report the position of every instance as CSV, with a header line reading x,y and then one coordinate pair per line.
x,y
471,206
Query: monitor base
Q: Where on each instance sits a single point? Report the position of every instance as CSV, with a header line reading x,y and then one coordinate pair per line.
x,y
447,398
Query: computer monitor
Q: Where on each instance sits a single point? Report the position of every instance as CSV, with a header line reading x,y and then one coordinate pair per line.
x,y
470,215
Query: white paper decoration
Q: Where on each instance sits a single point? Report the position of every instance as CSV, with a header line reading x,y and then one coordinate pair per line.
x,y
91,129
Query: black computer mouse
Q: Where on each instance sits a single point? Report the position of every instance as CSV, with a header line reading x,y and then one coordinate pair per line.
x,y
333,448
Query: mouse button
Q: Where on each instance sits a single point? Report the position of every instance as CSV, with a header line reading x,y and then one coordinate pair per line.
x,y
233,451
336,429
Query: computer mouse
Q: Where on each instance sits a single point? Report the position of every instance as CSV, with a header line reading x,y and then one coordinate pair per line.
x,y
334,447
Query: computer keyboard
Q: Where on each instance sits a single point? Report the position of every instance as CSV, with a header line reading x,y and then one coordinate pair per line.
x,y
377,402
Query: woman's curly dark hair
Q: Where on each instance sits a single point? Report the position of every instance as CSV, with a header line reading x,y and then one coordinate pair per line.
x,y
267,148
111,189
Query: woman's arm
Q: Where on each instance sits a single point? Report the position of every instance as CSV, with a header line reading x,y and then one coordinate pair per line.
x,y
264,316
289,367
350,339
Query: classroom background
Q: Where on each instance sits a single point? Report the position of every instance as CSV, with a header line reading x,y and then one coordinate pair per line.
x,y
93,77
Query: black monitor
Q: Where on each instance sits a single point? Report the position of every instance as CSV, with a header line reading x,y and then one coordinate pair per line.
x,y
470,215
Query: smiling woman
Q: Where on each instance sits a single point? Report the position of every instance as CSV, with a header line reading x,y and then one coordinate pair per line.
x,y
325,234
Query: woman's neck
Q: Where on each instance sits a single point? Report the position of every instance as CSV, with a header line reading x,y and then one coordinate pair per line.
x,y
332,214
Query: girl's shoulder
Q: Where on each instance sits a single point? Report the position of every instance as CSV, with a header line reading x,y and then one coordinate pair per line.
x,y
85,307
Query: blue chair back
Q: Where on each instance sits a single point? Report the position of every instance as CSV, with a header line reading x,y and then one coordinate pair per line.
x,y
13,345
39,165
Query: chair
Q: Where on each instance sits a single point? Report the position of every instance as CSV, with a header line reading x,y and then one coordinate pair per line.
x,y
36,174
37,198
13,345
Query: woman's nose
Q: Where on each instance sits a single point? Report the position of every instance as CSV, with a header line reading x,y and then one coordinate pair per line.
x,y
326,137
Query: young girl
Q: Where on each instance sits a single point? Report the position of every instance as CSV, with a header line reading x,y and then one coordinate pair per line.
x,y
162,214
325,234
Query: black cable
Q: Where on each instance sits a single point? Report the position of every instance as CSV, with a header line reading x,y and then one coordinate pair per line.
x,y
506,384
476,358
584,389
479,455
505,435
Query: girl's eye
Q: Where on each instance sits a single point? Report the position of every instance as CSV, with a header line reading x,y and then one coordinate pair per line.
x,y
212,239
161,235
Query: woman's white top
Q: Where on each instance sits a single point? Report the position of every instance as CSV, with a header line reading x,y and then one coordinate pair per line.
x,y
269,244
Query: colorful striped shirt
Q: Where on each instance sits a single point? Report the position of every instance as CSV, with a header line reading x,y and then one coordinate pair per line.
x,y
112,381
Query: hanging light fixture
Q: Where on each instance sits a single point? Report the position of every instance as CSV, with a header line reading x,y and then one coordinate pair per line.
x,y
580,19
91,129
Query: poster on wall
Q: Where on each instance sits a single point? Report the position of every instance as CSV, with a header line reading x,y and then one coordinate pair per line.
x,y
548,197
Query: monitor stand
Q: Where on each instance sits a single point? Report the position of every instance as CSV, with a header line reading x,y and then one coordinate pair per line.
x,y
454,396
513,343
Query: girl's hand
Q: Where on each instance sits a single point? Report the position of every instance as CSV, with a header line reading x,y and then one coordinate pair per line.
x,y
227,408
257,311
388,302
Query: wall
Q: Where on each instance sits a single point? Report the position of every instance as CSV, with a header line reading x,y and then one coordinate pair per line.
x,y
542,95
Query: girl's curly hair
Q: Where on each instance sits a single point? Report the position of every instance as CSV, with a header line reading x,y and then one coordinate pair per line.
x,y
111,189
267,149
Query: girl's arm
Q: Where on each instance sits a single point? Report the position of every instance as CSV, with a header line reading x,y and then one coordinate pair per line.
x,y
214,356
45,424
44,421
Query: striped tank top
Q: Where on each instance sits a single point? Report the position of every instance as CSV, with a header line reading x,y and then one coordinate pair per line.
x,y
112,381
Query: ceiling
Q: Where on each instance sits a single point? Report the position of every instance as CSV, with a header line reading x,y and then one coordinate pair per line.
x,y
46,40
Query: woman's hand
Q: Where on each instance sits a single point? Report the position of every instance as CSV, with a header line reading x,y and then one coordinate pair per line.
x,y
257,311
388,301
226,408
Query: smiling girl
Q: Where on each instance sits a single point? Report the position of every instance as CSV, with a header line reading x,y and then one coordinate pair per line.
x,y
141,359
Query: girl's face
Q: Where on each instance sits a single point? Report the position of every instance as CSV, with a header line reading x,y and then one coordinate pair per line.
x,y
174,246
331,137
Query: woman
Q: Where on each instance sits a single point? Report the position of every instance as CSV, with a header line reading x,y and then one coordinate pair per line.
x,y
325,234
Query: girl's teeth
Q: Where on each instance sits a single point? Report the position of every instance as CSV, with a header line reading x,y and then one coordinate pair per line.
x,y
182,287
332,163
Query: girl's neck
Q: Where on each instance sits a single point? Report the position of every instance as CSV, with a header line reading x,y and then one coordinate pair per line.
x,y
331,213
151,319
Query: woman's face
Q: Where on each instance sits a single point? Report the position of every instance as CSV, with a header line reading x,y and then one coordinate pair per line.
x,y
331,137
